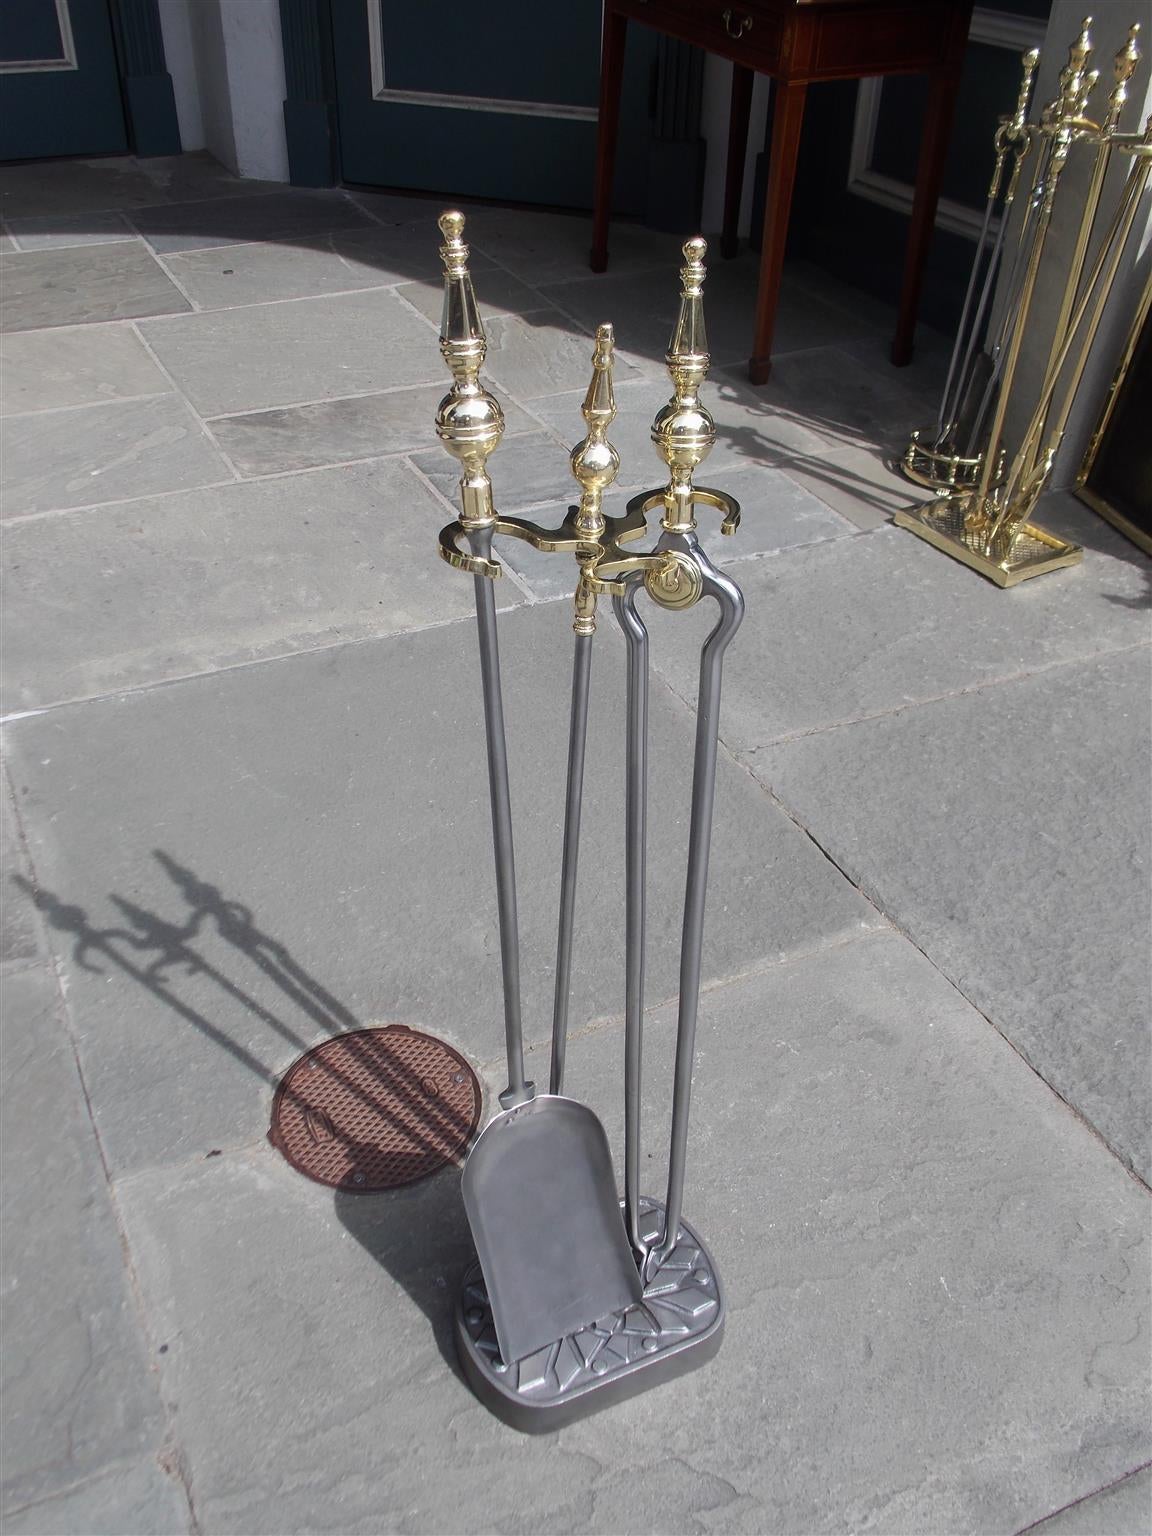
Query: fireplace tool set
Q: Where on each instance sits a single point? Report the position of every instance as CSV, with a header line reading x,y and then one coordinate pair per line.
x,y
985,497
577,1299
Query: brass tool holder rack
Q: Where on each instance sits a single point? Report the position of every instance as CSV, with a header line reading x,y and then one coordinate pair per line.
x,y
678,1322
986,490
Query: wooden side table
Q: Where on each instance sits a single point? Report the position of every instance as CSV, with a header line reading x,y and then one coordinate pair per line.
x,y
797,42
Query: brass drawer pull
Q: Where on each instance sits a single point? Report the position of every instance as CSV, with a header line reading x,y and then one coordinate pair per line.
x,y
744,24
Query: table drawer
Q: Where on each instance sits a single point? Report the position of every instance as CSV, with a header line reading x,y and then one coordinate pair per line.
x,y
746,33
811,39
884,39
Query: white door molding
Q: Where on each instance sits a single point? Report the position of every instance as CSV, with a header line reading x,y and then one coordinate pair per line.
x,y
65,60
1016,34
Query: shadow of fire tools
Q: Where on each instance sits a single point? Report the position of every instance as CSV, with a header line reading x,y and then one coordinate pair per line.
x,y
418,1232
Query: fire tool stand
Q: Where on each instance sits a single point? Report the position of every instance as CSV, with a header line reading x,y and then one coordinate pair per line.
x,y
667,1315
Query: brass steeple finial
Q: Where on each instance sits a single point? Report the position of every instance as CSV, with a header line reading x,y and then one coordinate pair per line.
x,y
683,430
595,463
469,421
1076,83
1123,68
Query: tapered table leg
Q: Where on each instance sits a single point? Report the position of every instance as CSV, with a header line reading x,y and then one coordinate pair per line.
x,y
787,120
611,74
739,113
929,174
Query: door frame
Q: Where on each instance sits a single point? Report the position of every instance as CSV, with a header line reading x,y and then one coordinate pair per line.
x,y
145,84
146,95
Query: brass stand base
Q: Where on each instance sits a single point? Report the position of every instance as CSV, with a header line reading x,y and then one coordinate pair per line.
x,y
1031,553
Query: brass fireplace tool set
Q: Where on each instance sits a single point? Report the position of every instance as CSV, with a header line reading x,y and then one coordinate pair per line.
x,y
578,1300
985,495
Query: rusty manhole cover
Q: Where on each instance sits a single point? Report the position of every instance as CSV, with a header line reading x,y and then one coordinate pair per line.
x,y
375,1109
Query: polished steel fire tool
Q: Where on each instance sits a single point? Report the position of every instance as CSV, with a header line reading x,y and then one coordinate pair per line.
x,y
674,1319
538,1184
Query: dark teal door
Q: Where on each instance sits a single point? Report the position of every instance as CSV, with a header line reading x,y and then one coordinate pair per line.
x,y
59,86
485,100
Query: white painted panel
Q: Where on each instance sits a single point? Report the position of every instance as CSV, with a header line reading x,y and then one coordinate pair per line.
x,y
180,55
237,63
255,54
714,113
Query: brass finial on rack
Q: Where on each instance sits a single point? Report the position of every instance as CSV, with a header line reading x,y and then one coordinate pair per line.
x,y
1123,68
1075,84
1019,120
985,501
469,421
683,430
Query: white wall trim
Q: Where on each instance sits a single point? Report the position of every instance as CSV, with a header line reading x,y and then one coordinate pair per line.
x,y
1003,30
381,91
66,59
1014,33
180,56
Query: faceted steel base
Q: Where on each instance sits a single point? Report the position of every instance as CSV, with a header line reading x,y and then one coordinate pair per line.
x,y
677,1326
1033,551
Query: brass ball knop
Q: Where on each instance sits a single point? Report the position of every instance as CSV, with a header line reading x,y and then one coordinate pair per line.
x,y
451,224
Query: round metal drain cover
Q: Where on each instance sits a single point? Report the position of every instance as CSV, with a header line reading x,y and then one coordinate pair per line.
x,y
375,1109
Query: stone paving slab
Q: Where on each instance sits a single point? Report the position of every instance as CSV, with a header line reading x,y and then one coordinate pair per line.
x,y
859,627
856,482
541,354
281,215
101,453
19,930
334,431
1006,832
899,1209
1125,1509
138,1499
544,248
846,402
401,252
643,307
43,370
73,287
924,376
332,262
302,350
45,234
47,188
140,593
341,797
77,1392
262,273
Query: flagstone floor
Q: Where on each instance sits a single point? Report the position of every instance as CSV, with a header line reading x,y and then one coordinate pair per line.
x,y
245,808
